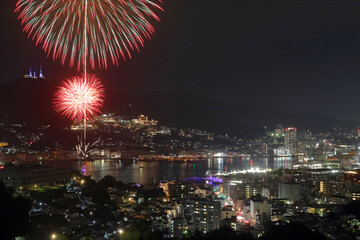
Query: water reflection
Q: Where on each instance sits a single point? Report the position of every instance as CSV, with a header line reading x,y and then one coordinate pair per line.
x,y
284,162
143,172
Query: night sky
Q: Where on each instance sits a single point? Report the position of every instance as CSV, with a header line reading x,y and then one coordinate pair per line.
x,y
300,56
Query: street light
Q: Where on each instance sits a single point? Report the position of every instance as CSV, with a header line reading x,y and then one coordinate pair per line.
x,y
120,231
53,236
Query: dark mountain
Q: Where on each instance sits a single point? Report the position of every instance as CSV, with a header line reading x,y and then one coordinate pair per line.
x,y
29,100
185,109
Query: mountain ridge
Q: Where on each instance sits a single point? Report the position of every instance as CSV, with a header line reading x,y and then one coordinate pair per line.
x,y
30,101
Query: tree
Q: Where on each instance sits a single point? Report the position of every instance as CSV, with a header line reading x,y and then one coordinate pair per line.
x,y
353,208
157,235
96,191
14,214
222,233
108,181
131,234
293,231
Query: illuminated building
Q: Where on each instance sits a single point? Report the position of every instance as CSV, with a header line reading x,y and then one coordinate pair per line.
x,y
144,120
203,192
157,223
176,189
106,152
107,120
33,74
289,191
259,208
325,187
279,131
355,196
165,186
178,227
265,193
240,190
338,200
227,212
16,176
281,152
264,148
290,139
80,127
332,187
204,214
41,74
317,210
352,176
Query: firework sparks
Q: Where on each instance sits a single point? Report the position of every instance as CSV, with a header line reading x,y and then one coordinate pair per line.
x,y
79,98
115,28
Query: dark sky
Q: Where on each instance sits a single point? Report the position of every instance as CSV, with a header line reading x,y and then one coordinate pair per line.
x,y
300,56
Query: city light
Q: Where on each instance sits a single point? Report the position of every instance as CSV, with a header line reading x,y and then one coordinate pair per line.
x,y
241,114
251,170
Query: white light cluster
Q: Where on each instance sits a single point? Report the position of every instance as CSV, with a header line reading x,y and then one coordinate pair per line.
x,y
251,170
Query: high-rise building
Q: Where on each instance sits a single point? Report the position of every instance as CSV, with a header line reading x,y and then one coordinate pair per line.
x,y
259,208
332,187
325,187
227,212
204,214
290,139
177,227
175,189
289,191
240,190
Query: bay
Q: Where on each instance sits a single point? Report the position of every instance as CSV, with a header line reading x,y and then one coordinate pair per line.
x,y
145,172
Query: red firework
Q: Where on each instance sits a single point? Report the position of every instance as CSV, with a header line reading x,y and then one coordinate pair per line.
x,y
80,97
113,28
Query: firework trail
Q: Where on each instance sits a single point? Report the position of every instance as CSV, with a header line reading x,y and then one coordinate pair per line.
x,y
87,32
114,28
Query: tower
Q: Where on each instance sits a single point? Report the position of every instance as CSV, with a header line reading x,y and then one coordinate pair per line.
x,y
290,139
30,74
41,74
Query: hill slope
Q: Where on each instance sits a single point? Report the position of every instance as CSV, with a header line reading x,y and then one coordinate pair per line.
x,y
30,100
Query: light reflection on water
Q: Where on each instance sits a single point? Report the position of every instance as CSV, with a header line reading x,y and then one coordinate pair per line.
x,y
129,171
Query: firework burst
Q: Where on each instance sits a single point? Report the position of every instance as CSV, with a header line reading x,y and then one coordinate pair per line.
x,y
79,98
115,28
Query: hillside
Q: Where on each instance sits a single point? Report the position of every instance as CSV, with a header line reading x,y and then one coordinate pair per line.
x,y
29,100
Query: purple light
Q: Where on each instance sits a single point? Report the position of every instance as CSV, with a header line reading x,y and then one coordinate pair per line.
x,y
214,179
211,179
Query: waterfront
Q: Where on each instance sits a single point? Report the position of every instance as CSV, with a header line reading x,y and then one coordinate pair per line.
x,y
142,172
